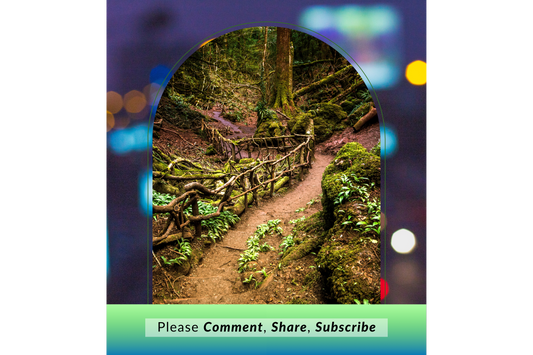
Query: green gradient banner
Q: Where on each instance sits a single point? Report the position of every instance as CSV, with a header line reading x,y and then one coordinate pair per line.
x,y
148,329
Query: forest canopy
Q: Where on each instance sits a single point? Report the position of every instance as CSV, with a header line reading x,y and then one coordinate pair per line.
x,y
260,68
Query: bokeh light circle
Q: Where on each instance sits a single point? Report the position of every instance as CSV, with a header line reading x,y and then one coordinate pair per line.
x,y
384,288
403,241
418,73
134,101
110,121
114,102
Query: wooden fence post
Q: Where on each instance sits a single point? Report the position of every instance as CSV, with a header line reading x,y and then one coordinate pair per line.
x,y
232,151
272,172
243,183
197,224
252,185
289,168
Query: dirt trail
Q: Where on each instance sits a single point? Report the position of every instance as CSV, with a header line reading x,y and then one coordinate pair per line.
x,y
216,279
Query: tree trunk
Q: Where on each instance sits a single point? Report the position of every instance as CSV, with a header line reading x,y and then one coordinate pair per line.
x,y
282,95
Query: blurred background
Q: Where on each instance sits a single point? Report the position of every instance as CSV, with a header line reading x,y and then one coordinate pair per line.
x,y
146,43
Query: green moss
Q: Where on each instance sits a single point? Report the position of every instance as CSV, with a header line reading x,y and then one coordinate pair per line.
x,y
300,123
312,278
246,160
210,150
158,166
349,105
331,112
308,234
352,158
323,129
360,112
269,128
326,119
353,269
349,260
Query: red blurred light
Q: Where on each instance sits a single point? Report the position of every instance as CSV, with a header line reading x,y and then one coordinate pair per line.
x,y
384,288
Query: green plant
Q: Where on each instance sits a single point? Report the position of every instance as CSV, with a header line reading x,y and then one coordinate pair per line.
x,y
294,221
300,210
263,113
216,226
246,257
366,227
177,99
349,189
376,150
286,243
365,301
312,202
161,199
183,249
252,253
265,247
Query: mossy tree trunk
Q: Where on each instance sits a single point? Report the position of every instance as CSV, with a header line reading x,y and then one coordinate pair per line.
x,y
327,80
282,91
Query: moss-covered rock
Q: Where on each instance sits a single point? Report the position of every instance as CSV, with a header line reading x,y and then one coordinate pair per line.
x,y
323,129
331,112
270,128
353,269
326,117
354,159
349,258
349,105
300,123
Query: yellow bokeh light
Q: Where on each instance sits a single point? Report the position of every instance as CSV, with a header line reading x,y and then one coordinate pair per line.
x,y
134,101
110,121
114,102
416,72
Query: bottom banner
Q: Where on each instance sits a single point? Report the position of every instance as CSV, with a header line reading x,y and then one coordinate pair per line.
x,y
266,329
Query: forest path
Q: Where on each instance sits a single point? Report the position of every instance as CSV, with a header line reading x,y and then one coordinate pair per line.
x,y
216,280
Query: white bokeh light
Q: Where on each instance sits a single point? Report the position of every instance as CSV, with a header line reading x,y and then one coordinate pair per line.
x,y
403,241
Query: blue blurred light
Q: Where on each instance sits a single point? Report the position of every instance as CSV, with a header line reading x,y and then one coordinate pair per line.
x,y
145,193
130,139
160,75
370,34
389,142
318,18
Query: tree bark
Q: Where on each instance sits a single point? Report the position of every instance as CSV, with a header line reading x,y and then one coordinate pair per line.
x,y
282,95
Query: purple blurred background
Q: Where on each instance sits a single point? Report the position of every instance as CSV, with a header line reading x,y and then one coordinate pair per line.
x,y
147,41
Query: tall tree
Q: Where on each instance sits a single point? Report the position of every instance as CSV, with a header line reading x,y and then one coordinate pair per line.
x,y
282,90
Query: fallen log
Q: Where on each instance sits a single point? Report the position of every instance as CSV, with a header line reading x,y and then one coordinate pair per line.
x,y
346,92
216,176
329,79
184,233
365,119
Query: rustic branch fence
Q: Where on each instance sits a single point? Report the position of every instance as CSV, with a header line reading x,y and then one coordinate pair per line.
x,y
276,162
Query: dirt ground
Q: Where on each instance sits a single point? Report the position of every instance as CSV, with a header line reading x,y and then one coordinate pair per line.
x,y
215,280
